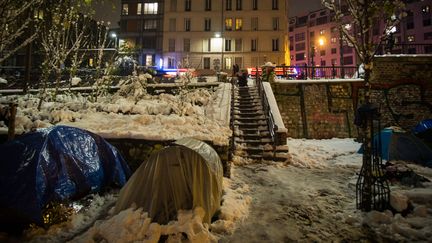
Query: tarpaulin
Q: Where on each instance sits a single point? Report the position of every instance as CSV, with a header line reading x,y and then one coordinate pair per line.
x,y
54,164
183,176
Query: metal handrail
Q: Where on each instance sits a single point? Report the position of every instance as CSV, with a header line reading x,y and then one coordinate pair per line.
x,y
267,109
232,141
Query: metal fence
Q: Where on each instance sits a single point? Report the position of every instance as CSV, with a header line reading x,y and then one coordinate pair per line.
x,y
313,72
405,48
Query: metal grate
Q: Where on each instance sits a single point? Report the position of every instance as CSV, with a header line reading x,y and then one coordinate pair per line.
x,y
372,189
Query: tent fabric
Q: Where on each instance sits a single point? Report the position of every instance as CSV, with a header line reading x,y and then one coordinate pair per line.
x,y
403,146
54,164
183,176
423,126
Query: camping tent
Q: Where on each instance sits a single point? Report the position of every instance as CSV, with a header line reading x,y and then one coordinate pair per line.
x,y
403,146
54,164
184,176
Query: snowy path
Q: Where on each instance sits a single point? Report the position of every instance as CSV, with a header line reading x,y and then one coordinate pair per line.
x,y
297,204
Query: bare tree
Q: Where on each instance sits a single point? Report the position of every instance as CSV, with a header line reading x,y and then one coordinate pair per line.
x,y
363,15
16,17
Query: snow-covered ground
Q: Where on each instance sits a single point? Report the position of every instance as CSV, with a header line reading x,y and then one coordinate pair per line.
x,y
311,197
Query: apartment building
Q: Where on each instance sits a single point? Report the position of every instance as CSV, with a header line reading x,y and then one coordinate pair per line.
x,y
314,37
141,28
201,33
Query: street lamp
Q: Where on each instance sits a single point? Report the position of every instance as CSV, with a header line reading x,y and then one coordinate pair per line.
x,y
114,35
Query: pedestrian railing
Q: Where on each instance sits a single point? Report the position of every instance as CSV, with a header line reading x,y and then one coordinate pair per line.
x,y
405,48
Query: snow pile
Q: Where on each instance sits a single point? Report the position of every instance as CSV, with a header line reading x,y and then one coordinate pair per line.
x,y
133,225
162,117
3,81
411,215
235,206
312,153
239,160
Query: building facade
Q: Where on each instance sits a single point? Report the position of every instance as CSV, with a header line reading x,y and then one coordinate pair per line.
x,y
141,28
314,38
200,33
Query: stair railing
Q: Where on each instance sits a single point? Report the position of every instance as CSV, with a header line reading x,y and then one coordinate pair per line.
x,y
232,143
267,110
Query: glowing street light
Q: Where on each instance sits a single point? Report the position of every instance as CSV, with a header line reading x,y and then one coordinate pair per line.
x,y
114,35
321,41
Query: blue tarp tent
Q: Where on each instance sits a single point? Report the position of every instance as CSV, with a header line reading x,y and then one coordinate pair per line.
x,y
403,146
54,164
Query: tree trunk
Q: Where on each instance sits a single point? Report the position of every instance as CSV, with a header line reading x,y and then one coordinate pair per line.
x,y
11,124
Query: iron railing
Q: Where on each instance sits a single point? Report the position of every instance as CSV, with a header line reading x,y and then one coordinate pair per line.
x,y
312,72
405,48
232,141
272,127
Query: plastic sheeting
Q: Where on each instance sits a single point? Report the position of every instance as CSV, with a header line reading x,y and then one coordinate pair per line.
x,y
403,146
184,176
54,164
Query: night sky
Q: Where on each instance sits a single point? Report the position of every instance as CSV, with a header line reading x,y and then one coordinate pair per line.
x,y
297,7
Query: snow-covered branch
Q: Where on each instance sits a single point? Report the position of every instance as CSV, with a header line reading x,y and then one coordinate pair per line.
x,y
17,25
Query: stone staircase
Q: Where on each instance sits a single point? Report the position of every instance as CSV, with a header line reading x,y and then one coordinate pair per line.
x,y
252,138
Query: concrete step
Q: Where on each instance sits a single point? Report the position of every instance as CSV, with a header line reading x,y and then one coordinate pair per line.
x,y
248,114
250,119
259,141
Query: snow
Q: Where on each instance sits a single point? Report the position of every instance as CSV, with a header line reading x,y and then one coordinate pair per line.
x,y
3,81
311,197
312,153
273,105
200,113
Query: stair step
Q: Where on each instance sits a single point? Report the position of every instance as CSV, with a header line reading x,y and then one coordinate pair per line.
x,y
257,113
262,141
248,124
244,118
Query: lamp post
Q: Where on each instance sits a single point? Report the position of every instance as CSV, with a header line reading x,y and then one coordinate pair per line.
x,y
341,53
114,35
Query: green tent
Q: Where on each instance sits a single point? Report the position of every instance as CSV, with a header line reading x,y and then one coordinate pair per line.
x,y
184,176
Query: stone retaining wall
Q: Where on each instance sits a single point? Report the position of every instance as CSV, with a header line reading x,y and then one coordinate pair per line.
x,y
401,86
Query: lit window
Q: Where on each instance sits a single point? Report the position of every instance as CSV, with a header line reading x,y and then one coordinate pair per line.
x,y
426,9
411,38
238,24
322,32
125,9
333,40
228,24
139,9
150,8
